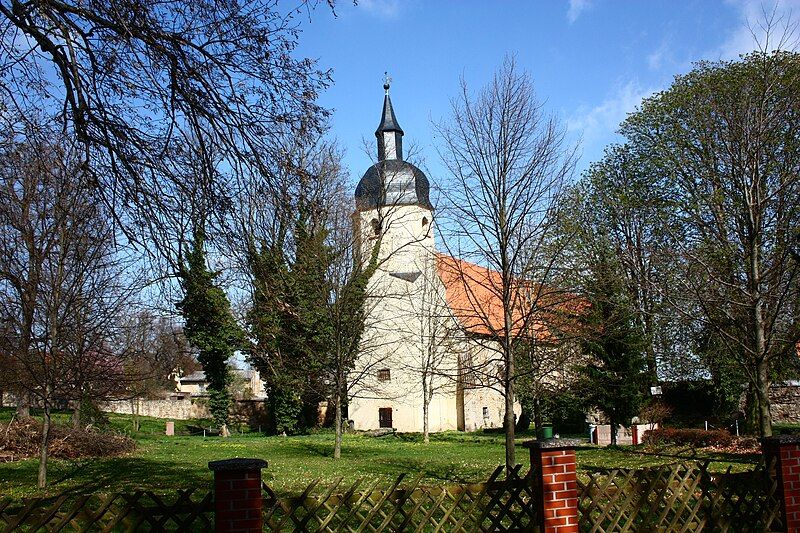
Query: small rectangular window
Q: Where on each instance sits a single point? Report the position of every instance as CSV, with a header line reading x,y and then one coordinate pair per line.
x,y
485,412
384,374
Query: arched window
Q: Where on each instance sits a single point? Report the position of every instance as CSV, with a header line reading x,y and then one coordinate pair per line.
x,y
376,227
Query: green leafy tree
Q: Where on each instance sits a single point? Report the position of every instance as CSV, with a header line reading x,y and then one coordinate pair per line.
x,y
210,326
622,201
614,377
266,320
291,324
724,140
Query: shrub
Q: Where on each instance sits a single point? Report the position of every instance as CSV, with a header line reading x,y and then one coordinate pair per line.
x,y
696,438
22,438
655,412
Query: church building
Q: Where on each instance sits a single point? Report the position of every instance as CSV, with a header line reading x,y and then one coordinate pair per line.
x,y
420,340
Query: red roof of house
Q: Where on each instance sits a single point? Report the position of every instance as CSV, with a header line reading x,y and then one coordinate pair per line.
x,y
474,295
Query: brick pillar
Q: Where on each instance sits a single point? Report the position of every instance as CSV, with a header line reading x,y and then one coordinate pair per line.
x,y
553,461
237,495
785,449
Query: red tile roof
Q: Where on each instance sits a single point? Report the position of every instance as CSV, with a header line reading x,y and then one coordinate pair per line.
x,y
474,295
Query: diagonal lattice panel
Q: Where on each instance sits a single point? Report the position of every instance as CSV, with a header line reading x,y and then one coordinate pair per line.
x,y
680,497
503,504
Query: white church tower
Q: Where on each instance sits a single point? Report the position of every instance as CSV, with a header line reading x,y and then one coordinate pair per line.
x,y
410,323
393,210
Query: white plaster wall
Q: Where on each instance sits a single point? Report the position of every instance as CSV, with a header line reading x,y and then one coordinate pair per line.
x,y
394,333
389,145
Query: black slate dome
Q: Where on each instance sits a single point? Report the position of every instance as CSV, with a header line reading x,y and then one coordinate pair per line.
x,y
393,182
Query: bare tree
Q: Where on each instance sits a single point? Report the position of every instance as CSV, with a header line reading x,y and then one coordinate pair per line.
x,y
132,80
62,282
352,362
508,161
155,351
434,334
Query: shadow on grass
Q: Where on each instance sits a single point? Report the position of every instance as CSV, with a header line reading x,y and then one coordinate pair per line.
x,y
118,474
608,458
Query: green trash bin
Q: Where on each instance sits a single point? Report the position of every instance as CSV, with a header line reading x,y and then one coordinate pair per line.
x,y
547,431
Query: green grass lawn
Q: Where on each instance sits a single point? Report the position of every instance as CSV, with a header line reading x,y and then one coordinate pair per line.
x,y
162,463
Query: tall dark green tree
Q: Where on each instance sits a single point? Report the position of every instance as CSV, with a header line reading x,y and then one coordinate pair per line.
x,y
614,377
209,325
268,319
289,321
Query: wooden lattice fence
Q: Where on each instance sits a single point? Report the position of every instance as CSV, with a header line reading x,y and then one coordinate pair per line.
x,y
675,498
503,504
680,497
184,510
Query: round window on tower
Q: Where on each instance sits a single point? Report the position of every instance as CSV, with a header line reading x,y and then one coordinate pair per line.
x,y
424,221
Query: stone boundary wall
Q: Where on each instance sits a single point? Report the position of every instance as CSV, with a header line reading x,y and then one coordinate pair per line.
x,y
785,403
601,434
174,409
252,412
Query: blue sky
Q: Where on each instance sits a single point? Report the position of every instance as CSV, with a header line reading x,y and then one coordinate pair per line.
x,y
592,61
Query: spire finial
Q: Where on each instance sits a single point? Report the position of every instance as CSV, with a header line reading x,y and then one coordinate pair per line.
x,y
387,81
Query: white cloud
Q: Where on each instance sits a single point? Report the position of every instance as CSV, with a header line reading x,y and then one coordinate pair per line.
x,y
387,9
576,7
756,16
601,121
660,56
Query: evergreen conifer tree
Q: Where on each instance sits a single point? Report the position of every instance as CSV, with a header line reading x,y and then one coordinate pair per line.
x,y
615,374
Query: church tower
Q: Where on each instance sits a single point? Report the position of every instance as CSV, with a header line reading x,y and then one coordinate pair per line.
x,y
393,204
412,343
394,213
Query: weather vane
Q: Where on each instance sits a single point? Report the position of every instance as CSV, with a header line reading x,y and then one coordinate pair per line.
x,y
387,81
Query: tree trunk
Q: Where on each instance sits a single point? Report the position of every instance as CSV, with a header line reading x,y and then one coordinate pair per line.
x,y
751,424
135,414
426,401
23,407
762,394
337,446
613,421
509,419
759,336
45,443
76,414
